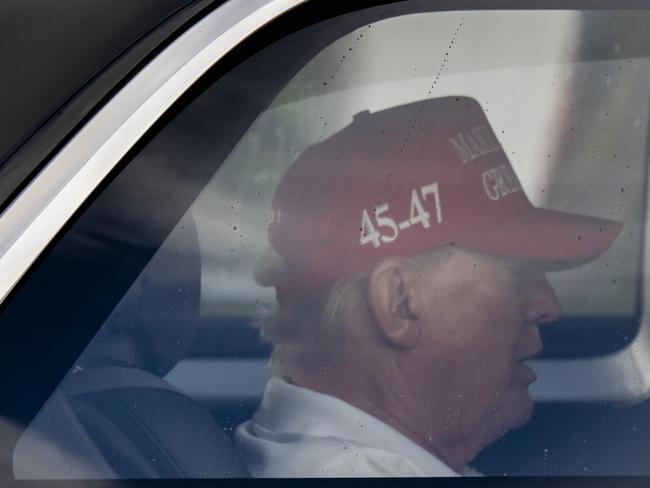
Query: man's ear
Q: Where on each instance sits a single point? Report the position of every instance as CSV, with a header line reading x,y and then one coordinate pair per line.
x,y
390,290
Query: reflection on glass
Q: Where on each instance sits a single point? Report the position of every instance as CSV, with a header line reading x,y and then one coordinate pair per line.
x,y
400,224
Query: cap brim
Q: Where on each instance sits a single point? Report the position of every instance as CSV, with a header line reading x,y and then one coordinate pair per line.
x,y
557,240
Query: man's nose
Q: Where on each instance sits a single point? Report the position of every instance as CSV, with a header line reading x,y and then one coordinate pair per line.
x,y
542,305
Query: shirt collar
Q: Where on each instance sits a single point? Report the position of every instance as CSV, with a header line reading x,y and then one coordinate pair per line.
x,y
291,409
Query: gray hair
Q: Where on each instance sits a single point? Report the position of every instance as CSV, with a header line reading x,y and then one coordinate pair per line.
x,y
313,332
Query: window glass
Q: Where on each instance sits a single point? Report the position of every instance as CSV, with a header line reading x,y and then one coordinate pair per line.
x,y
372,208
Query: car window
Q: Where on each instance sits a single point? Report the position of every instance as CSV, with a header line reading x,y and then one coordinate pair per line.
x,y
284,198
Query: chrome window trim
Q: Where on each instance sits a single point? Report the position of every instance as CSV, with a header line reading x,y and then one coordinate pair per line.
x,y
43,208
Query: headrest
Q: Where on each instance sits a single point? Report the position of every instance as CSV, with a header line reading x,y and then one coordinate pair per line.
x,y
155,322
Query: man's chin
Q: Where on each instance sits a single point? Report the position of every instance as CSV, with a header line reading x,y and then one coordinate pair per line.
x,y
512,413
519,411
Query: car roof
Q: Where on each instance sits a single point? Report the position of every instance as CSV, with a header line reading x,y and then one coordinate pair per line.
x,y
60,60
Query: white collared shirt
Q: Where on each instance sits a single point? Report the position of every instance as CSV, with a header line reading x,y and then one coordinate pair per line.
x,y
297,432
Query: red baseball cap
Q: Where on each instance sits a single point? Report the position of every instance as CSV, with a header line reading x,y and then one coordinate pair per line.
x,y
411,179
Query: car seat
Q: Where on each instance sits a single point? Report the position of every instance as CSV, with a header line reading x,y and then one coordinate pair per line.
x,y
114,416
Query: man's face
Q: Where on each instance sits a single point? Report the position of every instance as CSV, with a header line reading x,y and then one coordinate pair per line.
x,y
481,317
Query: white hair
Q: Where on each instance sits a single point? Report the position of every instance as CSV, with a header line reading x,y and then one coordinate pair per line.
x,y
312,332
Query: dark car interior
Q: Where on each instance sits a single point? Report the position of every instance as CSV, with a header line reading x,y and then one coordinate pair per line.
x,y
122,419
